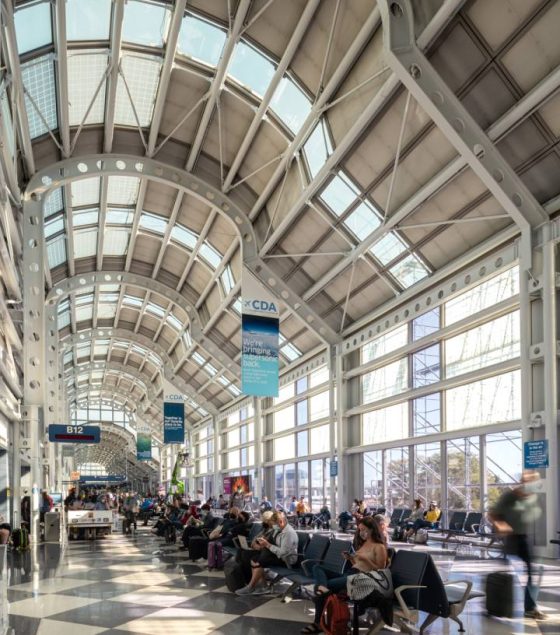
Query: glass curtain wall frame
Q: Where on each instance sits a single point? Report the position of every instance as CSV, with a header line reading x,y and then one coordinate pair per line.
x,y
308,478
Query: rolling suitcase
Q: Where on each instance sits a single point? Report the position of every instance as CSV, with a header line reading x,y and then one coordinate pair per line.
x,y
198,547
499,594
215,555
234,575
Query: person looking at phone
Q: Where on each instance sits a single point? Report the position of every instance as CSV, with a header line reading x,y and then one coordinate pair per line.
x,y
283,552
370,556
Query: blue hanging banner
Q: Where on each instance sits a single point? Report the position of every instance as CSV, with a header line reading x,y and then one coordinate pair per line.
x,y
173,414
143,445
260,327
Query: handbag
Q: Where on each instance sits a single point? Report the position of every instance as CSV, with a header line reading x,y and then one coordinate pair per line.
x,y
360,585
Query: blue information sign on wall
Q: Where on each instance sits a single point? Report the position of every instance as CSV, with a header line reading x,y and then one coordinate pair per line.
x,y
173,422
535,454
74,434
334,468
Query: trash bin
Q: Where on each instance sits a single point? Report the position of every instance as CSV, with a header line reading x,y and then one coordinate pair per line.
x,y
52,527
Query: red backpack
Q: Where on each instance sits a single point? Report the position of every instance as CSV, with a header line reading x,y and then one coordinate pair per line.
x,y
335,617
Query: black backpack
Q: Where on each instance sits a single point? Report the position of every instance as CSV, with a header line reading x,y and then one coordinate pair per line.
x,y
20,539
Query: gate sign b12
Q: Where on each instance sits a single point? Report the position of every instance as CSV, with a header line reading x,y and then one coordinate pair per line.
x,y
74,434
535,454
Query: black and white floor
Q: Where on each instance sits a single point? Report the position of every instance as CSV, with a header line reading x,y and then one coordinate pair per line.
x,y
136,585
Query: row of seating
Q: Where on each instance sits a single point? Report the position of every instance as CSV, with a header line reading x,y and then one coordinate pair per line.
x,y
418,587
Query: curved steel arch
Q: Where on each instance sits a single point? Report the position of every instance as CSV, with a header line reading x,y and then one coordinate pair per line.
x,y
118,367
57,174
159,351
97,278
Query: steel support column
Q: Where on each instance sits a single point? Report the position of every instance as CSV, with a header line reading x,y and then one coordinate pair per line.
x,y
217,473
258,488
341,425
334,456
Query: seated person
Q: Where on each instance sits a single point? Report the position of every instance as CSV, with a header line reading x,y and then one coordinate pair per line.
x,y
370,556
5,531
267,532
303,513
429,520
266,505
207,525
283,552
240,526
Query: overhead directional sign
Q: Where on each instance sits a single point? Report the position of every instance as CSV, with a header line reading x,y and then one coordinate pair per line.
x,y
74,434
109,478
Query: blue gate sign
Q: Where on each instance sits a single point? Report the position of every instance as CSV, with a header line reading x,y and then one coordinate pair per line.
x,y
535,454
334,468
74,434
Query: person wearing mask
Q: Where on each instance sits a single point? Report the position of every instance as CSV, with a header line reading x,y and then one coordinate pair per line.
x,y
240,527
246,555
46,505
370,556
431,517
293,505
418,512
513,514
266,505
283,552
207,525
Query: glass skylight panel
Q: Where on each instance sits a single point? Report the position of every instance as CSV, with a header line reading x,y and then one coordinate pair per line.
x,y
68,355
224,381
197,357
115,242
88,19
211,370
84,313
85,192
290,104
184,236
201,40
362,221
155,309
54,226
122,190
251,68
339,194
132,300
227,279
290,351
56,251
85,217
317,148
33,27
409,270
153,223
236,306
106,311
174,322
85,72
85,243
212,257
142,77
187,339
388,248
38,79
119,217
145,23
234,390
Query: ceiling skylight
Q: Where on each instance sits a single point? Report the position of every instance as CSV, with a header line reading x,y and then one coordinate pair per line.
x,y
318,148
115,242
119,217
85,217
122,190
291,104
85,243
388,248
339,194
251,68
142,77
88,19
201,40
145,23
363,220
85,72
38,79
153,223
85,192
211,255
184,236
56,251
53,203
54,226
33,27
409,270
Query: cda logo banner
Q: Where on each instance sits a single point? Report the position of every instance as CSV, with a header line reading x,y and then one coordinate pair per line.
x,y
260,329
173,414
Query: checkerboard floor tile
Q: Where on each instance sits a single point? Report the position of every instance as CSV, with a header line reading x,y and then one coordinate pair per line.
x,y
130,585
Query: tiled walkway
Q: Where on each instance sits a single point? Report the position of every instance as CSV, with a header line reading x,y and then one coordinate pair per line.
x,y
136,585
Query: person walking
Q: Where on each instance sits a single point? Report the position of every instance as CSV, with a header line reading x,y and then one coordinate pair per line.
x,y
514,512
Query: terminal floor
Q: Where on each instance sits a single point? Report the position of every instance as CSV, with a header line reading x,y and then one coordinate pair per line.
x,y
124,585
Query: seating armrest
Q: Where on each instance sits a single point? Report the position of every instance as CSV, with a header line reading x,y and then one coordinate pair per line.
x,y
468,586
398,594
307,565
